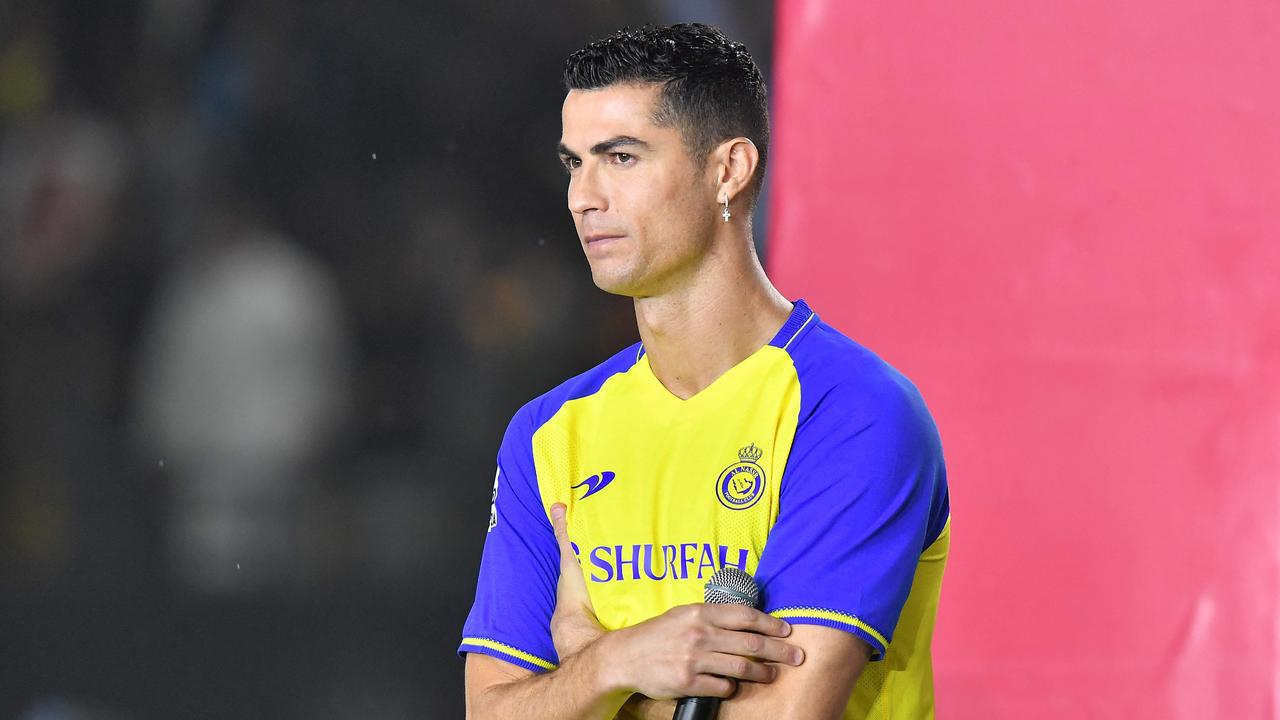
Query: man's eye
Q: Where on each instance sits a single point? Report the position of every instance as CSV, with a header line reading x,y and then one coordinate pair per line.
x,y
622,158
570,163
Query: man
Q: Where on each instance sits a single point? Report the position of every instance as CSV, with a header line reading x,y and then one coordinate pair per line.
x,y
741,430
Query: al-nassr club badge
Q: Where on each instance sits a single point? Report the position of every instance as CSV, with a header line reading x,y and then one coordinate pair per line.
x,y
741,484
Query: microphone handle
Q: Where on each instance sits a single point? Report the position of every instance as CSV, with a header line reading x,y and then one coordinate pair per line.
x,y
697,708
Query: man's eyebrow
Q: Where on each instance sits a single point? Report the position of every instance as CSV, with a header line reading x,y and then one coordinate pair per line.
x,y
607,146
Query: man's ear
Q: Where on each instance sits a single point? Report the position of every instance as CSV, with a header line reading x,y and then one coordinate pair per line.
x,y
736,162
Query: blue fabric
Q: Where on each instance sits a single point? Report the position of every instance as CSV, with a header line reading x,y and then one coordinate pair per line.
x,y
516,590
864,492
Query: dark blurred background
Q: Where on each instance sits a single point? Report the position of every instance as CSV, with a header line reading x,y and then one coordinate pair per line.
x,y
273,277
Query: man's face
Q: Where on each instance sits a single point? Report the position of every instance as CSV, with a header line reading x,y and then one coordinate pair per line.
x,y
644,212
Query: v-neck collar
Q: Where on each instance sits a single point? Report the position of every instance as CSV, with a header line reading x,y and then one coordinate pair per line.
x,y
800,316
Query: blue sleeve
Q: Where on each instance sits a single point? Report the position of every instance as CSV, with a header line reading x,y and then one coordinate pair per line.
x,y
863,494
516,591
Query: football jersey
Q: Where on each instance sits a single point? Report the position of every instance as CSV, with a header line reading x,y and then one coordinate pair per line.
x,y
812,464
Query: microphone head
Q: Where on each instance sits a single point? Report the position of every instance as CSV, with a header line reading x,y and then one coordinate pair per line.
x,y
731,586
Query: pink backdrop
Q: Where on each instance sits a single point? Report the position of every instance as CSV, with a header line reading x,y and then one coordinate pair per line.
x,y
1062,220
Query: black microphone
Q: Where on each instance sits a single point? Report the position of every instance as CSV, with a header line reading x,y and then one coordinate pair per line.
x,y
728,586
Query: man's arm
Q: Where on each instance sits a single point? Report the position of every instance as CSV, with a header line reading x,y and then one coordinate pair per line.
x,y
498,689
817,690
690,650
577,689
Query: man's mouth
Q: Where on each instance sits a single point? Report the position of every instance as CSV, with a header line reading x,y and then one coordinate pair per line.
x,y
600,237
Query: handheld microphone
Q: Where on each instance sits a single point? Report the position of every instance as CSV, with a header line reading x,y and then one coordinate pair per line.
x,y
728,586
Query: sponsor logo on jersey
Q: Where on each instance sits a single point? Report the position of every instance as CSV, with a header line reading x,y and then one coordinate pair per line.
x,y
654,561
741,484
595,483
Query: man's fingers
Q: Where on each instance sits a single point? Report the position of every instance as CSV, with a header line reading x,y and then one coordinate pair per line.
x,y
735,666
740,617
560,523
572,584
711,686
754,645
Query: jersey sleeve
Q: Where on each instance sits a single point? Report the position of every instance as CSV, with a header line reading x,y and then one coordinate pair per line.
x,y
515,594
864,492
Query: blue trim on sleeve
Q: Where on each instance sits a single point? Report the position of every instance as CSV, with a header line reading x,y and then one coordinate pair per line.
x,y
878,648
507,653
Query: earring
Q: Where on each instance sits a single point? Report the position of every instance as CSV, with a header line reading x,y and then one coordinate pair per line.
x,y
725,213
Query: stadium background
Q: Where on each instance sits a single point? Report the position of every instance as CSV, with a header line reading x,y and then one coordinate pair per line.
x,y
273,276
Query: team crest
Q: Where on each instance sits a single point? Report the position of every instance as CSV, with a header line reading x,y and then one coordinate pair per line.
x,y
741,484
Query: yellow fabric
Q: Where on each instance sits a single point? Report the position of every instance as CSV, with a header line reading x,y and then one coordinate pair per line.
x,y
666,470
662,514
901,685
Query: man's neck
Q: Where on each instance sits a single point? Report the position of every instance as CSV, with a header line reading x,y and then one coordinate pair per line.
x,y
698,332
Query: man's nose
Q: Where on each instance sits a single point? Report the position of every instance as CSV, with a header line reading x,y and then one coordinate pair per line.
x,y
585,191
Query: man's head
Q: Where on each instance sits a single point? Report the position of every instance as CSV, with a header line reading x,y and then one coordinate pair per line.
x,y
710,88
661,125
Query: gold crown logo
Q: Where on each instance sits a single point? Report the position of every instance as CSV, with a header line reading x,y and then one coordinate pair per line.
x,y
750,453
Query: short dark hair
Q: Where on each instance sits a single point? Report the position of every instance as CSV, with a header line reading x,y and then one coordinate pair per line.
x,y
711,88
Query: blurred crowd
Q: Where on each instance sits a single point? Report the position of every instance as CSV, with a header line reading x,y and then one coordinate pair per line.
x,y
274,275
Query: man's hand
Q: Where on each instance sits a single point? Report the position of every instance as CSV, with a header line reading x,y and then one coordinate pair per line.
x,y
691,650
573,624
699,651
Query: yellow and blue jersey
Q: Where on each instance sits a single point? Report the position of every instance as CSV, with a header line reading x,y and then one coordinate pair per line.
x,y
812,464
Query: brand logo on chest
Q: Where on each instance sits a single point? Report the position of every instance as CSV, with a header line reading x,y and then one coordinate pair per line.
x,y
741,484
594,484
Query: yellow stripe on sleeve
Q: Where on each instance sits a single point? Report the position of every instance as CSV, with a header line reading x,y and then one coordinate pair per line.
x,y
508,650
831,615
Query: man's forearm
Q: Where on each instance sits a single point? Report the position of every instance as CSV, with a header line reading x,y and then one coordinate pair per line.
x,y
639,707
752,701
574,691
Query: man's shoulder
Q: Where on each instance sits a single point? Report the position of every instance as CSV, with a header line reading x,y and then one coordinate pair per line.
x,y
833,368
539,410
847,392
